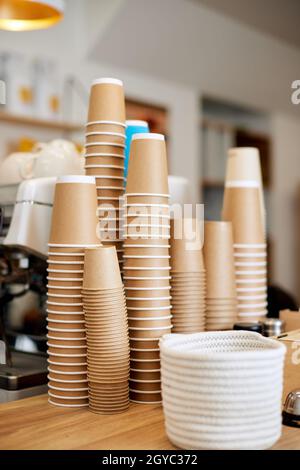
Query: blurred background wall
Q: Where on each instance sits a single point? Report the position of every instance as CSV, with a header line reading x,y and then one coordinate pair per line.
x,y
209,73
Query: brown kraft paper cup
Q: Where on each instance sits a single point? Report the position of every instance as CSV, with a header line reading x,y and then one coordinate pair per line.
x,y
74,218
107,101
148,157
101,269
145,398
242,207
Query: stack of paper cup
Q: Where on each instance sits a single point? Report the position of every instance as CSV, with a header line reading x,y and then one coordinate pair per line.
x,y
105,156
188,276
73,228
147,263
243,206
221,301
107,332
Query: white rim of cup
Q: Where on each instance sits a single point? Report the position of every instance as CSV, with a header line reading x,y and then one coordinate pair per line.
x,y
64,347
107,81
129,278
255,297
263,313
68,389
59,372
65,296
148,298
68,364
104,144
64,262
67,398
138,204
129,268
112,167
65,271
252,281
92,245
114,155
149,309
146,257
137,236
67,322
113,123
251,273
165,227
65,304
242,184
65,279
148,288
247,306
72,330
149,216
167,196
252,289
110,177
249,255
110,188
66,355
161,328
145,392
81,179
149,136
250,245
116,134
65,381
62,405
147,246
249,264
63,288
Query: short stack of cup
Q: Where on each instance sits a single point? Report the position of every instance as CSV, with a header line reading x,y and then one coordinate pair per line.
x,y
147,263
243,206
73,228
105,156
105,314
188,279
221,300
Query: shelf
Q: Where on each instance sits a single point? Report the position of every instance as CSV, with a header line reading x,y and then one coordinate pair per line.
x,y
41,123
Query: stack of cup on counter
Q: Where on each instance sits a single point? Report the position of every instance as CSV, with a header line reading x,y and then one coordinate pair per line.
x,y
104,308
243,206
188,282
73,228
147,263
221,300
105,156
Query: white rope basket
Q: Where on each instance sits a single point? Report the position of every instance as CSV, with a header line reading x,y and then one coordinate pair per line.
x,y
222,390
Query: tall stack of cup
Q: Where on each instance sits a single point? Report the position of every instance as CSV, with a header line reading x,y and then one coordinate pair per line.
x,y
243,206
73,228
105,156
221,300
147,263
188,283
104,308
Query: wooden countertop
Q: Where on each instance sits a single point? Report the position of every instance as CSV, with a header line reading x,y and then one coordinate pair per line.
x,y
33,424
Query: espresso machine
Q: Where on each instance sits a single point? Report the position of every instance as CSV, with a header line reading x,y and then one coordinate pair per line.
x,y
25,216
